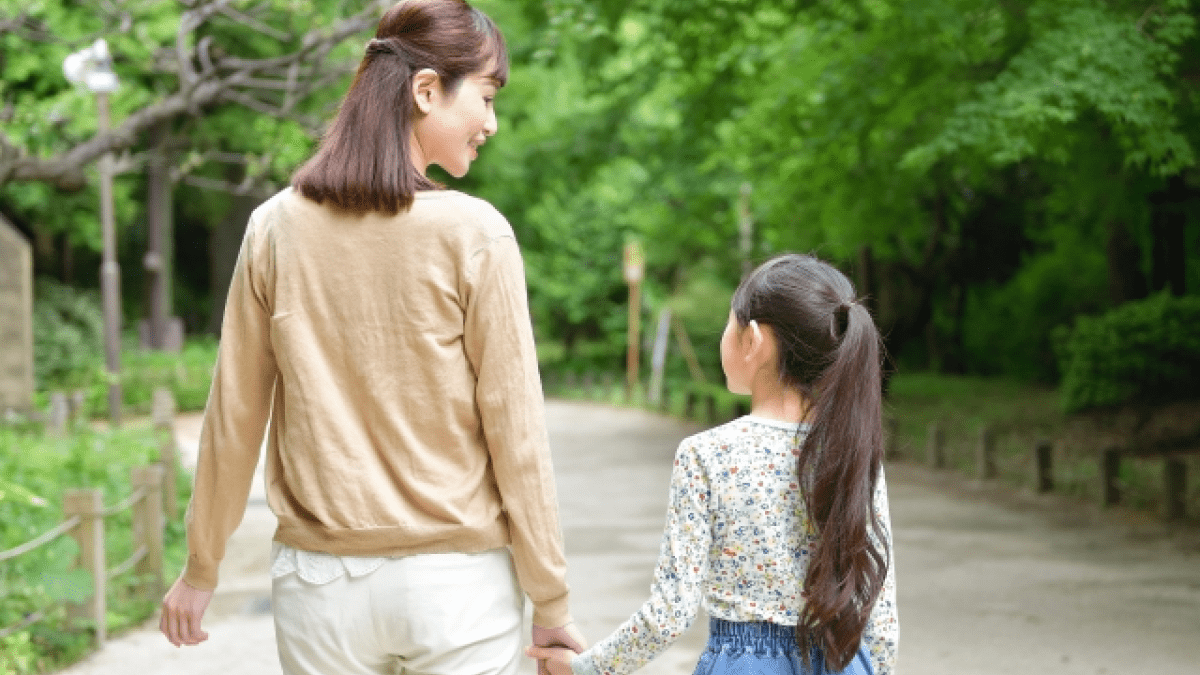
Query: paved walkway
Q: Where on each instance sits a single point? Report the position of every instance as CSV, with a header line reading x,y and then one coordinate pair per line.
x,y
991,583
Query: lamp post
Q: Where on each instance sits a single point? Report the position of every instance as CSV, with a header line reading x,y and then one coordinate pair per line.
x,y
92,67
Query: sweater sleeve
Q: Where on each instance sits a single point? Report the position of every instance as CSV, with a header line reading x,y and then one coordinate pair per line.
x,y
235,417
678,580
882,633
498,338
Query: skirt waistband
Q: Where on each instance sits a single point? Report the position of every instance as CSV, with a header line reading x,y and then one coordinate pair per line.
x,y
756,636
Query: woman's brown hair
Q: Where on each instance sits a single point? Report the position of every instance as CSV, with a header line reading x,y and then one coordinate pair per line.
x,y
829,351
363,162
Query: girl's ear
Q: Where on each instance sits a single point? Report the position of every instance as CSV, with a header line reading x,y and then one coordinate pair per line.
x,y
755,338
426,88
760,346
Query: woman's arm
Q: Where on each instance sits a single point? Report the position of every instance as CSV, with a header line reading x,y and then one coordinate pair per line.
x,y
498,337
235,418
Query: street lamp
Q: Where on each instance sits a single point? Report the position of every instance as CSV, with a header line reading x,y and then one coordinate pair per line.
x,y
92,68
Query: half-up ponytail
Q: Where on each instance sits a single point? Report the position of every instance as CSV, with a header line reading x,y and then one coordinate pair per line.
x,y
364,162
830,352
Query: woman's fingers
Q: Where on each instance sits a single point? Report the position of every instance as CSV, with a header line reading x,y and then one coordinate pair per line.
x,y
557,660
182,611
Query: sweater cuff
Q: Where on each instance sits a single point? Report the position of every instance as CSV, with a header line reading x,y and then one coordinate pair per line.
x,y
581,664
552,613
199,576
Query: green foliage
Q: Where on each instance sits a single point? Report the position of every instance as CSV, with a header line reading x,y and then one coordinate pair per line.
x,y
36,471
1082,56
980,149
1145,351
68,336
187,374
69,354
1007,326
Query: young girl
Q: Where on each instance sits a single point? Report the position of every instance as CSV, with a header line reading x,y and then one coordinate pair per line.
x,y
380,323
778,521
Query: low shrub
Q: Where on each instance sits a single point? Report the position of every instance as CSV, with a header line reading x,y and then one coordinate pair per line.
x,y
68,336
1146,351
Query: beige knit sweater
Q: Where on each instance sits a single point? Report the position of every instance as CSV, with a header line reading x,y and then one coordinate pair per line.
x,y
394,358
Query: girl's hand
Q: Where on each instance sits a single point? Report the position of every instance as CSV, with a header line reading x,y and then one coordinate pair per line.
x,y
557,659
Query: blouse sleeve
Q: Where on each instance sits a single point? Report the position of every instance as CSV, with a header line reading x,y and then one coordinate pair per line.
x,y
882,633
677,588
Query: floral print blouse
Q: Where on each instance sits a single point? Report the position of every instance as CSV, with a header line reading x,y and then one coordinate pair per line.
x,y
737,538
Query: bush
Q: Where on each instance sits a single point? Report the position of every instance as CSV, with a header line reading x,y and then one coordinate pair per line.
x,y
187,374
1147,350
34,472
68,336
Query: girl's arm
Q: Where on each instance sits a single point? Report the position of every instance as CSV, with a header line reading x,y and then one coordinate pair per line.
x,y
882,633
677,589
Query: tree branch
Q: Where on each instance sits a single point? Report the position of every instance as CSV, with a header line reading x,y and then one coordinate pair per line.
x,y
221,80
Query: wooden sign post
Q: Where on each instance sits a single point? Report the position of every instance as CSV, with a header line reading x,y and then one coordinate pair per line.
x,y
635,269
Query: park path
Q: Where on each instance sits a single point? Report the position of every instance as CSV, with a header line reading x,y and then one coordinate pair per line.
x,y
991,582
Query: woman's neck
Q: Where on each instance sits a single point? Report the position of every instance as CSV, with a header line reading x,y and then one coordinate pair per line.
x,y
770,399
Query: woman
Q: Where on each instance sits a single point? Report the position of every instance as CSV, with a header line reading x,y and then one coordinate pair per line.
x,y
381,324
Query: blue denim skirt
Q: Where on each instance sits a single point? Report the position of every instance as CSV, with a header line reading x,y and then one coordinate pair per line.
x,y
761,648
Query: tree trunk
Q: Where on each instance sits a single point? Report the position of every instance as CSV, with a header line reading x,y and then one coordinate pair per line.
x,y
161,249
224,244
1168,223
1125,278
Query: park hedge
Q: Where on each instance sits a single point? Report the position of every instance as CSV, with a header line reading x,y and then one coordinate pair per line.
x,y
1146,351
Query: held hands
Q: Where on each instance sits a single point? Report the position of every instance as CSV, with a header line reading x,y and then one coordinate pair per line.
x,y
182,609
554,647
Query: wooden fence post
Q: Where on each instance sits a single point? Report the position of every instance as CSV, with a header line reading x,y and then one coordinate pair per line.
x,y
1174,488
588,382
891,438
78,403
606,385
148,528
1110,469
689,404
59,416
168,447
985,457
710,408
1044,461
89,534
934,447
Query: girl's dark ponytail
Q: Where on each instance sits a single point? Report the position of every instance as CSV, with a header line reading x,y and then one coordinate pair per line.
x,y
830,352
839,465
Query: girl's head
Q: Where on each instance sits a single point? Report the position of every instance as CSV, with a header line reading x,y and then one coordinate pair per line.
x,y
828,350
807,304
422,95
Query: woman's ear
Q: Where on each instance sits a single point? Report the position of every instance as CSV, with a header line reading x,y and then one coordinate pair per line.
x,y
426,88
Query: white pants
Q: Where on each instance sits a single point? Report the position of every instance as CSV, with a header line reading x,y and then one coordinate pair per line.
x,y
445,613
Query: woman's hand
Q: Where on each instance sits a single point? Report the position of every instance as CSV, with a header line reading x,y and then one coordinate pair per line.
x,y
557,660
567,638
182,610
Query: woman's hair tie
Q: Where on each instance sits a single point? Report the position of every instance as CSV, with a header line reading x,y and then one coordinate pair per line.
x,y
378,46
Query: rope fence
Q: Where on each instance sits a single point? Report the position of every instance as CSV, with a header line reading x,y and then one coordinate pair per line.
x,y
85,522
